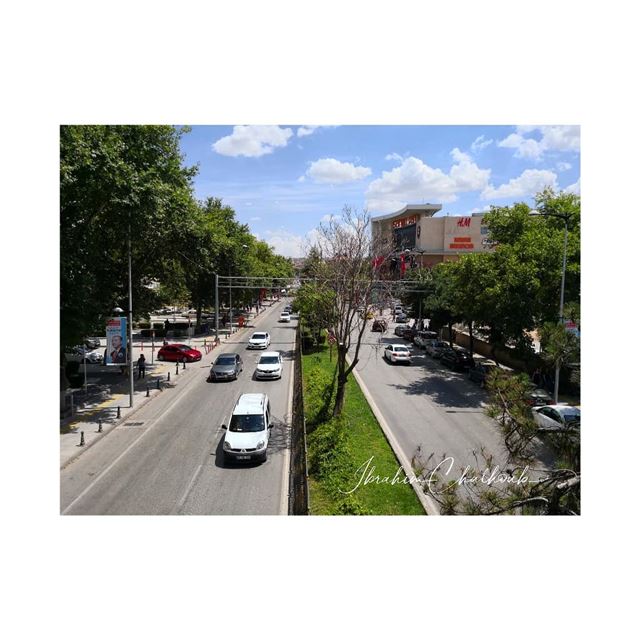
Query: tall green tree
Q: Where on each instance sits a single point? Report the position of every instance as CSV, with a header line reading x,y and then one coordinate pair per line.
x,y
116,180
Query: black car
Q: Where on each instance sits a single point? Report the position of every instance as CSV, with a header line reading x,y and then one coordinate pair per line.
x,y
379,325
410,333
479,372
457,359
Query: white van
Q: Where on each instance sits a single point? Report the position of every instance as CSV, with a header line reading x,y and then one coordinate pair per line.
x,y
247,434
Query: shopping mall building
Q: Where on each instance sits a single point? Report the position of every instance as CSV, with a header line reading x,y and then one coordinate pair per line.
x,y
419,239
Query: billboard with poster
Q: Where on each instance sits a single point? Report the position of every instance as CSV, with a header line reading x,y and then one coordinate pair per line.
x,y
116,332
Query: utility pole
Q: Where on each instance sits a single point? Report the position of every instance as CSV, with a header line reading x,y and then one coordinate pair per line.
x,y
130,325
217,306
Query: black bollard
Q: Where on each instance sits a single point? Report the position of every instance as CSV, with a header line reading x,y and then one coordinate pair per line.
x,y
82,438
147,389
184,364
118,411
99,426
168,376
177,369
158,384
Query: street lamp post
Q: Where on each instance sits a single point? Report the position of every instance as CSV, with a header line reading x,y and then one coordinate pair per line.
x,y
565,219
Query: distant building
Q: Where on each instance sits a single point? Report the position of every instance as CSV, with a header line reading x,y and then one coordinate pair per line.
x,y
418,239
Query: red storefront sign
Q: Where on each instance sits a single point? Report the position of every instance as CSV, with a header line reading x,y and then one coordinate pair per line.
x,y
404,222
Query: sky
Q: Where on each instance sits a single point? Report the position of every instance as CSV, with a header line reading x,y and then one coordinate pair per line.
x,y
283,181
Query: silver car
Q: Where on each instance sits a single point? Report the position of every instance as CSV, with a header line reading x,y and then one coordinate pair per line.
x,y
226,367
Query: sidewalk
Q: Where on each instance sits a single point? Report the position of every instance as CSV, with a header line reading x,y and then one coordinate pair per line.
x,y
102,404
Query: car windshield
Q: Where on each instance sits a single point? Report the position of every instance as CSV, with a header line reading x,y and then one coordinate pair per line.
x,y
401,349
268,360
258,336
184,347
226,360
247,423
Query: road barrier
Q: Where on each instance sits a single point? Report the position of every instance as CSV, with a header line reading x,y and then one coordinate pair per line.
x,y
298,471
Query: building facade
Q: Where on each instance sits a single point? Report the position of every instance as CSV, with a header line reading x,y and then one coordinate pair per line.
x,y
417,239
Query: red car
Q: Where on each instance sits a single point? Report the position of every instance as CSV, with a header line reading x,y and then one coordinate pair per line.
x,y
179,353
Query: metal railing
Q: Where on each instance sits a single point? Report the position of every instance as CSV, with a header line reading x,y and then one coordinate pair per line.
x,y
298,471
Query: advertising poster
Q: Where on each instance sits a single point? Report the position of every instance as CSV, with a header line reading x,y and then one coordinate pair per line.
x,y
116,341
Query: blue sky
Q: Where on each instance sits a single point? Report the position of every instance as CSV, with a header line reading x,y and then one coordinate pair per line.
x,y
283,180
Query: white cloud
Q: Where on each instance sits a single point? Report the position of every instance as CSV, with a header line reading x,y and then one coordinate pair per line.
x,y
302,179
255,219
573,188
525,147
414,181
481,210
528,183
466,174
252,141
306,130
332,171
393,156
480,143
290,244
328,218
553,138
563,166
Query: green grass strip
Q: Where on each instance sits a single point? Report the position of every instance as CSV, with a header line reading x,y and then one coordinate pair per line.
x,y
339,450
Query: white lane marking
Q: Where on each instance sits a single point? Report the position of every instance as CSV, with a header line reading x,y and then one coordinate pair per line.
x,y
152,423
188,489
284,496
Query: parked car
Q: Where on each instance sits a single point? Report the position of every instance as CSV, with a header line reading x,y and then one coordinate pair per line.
x,y
478,373
269,366
92,343
259,340
288,309
397,308
247,433
422,337
399,330
401,317
285,316
379,324
179,353
396,353
190,312
227,366
80,353
537,397
435,348
457,359
410,333
556,417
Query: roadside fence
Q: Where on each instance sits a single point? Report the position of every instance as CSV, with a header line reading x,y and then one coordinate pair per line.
x,y
298,471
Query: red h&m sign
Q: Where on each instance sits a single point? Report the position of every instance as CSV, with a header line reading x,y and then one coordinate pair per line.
x,y
464,222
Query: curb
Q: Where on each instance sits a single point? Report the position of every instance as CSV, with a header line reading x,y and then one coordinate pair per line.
x,y
428,504
87,446
133,411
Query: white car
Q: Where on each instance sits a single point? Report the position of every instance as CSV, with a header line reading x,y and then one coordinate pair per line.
x,y
247,434
285,316
80,353
269,366
556,417
259,340
395,353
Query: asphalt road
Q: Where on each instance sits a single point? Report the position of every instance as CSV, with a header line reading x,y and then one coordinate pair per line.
x,y
168,458
429,406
